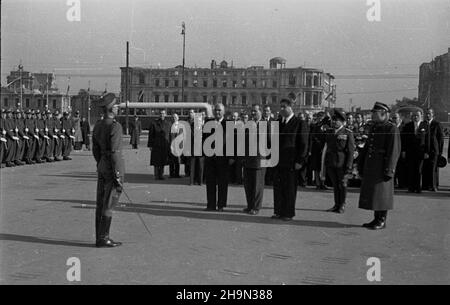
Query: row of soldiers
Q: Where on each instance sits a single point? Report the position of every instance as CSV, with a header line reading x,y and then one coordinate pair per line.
x,y
35,136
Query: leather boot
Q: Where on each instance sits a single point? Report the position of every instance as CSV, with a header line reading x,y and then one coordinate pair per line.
x,y
341,209
380,223
333,209
104,240
370,224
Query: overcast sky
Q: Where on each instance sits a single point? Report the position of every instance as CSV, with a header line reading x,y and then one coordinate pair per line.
x,y
329,34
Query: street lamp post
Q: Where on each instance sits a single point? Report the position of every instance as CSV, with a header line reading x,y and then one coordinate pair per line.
x,y
183,32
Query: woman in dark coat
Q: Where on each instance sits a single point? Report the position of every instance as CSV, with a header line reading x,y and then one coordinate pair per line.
x,y
85,132
159,144
376,166
135,132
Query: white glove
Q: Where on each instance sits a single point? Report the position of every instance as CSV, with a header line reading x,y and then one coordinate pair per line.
x,y
55,137
26,138
72,137
46,137
3,139
62,137
36,137
15,138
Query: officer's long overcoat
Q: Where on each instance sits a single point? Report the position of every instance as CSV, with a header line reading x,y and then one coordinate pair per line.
x,y
377,161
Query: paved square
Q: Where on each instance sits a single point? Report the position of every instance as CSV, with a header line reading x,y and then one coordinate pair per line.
x,y
47,216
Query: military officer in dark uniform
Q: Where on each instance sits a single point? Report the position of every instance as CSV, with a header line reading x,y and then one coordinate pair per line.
x,y
107,150
339,149
42,140
377,166
9,128
67,135
3,141
19,129
30,133
49,132
59,139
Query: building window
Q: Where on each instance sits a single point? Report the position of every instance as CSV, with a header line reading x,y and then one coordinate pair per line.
x,y
224,99
205,83
27,103
224,83
39,103
195,83
166,98
264,83
274,100
166,83
234,84
254,83
233,100
186,83
6,102
244,99
244,83
316,81
308,99
274,84
54,104
141,78
176,73
185,99
308,80
156,98
316,99
175,98
263,99
175,83
205,98
214,83
195,73
214,99
157,82
291,80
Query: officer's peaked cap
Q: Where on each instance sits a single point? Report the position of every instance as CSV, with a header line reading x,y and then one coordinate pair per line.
x,y
339,115
380,106
106,100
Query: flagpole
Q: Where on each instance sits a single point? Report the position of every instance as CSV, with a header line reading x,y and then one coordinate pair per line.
x,y
183,32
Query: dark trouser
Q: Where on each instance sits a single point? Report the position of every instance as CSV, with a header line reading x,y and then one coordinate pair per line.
x,y
2,151
107,197
268,180
401,175
11,150
57,147
236,172
216,171
254,187
414,165
49,148
430,173
40,149
174,166
284,191
30,148
196,169
20,150
67,146
159,171
337,176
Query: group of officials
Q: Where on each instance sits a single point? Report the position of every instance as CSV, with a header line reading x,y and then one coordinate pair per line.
x,y
33,136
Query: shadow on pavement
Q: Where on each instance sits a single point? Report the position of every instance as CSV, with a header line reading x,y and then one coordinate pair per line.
x,y
193,213
39,240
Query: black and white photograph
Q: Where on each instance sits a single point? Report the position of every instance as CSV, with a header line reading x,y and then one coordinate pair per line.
x,y
209,144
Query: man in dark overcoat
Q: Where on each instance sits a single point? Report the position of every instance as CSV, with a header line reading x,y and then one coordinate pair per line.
x,y
377,167
159,144
135,130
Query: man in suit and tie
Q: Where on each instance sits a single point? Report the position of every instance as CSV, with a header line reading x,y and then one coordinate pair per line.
x,y
293,148
216,164
254,169
434,146
413,150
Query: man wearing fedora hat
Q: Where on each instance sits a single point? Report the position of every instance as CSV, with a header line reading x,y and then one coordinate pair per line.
x,y
107,151
377,165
